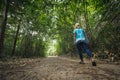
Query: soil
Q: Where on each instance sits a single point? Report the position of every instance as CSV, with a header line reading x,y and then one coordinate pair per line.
x,y
57,68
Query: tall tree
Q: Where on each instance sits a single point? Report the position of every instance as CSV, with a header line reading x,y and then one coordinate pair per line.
x,y
16,37
3,26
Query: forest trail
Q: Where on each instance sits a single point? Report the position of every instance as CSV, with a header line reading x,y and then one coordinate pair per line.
x,y
57,68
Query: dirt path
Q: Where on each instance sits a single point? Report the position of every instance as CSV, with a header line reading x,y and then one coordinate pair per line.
x,y
57,68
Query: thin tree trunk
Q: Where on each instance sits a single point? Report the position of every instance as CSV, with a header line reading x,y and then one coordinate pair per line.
x,y
79,19
3,26
86,22
16,37
85,16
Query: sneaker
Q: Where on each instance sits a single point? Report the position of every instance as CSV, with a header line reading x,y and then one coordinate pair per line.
x,y
94,63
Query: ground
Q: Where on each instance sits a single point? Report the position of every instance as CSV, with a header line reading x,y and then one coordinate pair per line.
x,y
57,68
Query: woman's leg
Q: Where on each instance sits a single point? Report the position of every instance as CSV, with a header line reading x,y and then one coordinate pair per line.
x,y
78,45
87,50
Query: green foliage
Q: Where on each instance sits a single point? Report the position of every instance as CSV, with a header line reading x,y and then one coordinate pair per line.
x,y
108,39
45,20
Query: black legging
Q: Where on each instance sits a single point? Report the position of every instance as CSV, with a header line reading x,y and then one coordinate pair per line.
x,y
80,44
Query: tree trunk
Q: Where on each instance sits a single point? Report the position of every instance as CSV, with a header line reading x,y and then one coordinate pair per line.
x,y
86,22
3,26
85,16
79,19
16,37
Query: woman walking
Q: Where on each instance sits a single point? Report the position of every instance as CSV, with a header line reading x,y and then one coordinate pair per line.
x,y
80,41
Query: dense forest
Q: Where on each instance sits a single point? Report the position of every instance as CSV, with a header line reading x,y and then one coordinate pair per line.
x,y
39,28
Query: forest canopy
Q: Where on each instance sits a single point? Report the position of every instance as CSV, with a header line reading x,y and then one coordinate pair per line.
x,y
39,28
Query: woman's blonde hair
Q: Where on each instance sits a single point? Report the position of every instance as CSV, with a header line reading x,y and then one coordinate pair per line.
x,y
76,25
